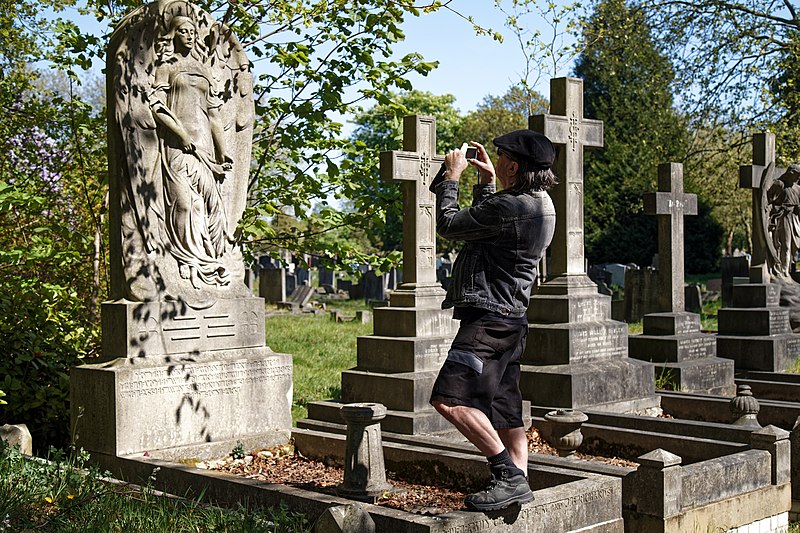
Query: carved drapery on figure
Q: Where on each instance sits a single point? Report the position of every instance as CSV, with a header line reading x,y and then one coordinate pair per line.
x,y
180,132
779,220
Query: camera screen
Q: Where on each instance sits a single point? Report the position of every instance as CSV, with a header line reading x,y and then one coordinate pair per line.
x,y
472,152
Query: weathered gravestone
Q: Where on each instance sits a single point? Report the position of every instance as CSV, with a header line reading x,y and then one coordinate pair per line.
x,y
641,290
183,337
398,364
576,355
733,270
272,285
672,337
299,299
755,330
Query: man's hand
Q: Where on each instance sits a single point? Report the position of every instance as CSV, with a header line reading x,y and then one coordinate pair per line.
x,y
455,163
483,164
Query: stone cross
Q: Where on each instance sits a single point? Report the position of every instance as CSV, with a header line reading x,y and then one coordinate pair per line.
x,y
670,204
750,177
570,133
414,168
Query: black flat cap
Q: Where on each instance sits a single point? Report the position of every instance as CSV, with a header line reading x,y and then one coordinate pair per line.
x,y
529,145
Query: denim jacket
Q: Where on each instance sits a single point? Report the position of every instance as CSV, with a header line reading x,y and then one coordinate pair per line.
x,y
505,236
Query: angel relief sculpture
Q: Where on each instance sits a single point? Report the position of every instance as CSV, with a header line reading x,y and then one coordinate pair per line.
x,y
779,221
179,154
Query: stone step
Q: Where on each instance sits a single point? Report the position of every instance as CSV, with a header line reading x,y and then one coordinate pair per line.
x,y
753,322
619,385
402,354
672,348
559,344
405,391
773,353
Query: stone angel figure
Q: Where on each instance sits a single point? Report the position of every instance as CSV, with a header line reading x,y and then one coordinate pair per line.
x,y
180,131
779,220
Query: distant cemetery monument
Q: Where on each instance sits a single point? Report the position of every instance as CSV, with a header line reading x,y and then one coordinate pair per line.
x,y
685,357
183,336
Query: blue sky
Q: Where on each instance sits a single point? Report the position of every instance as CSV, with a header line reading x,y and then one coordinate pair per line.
x,y
470,66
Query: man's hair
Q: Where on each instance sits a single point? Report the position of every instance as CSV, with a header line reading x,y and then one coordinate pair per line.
x,y
529,178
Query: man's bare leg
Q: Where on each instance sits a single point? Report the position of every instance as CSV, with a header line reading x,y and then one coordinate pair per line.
x,y
516,442
474,425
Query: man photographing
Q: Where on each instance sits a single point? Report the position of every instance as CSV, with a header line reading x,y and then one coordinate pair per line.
x,y
505,235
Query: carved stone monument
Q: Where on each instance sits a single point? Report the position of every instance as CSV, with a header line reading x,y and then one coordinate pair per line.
x,y
576,356
755,330
398,364
672,338
183,337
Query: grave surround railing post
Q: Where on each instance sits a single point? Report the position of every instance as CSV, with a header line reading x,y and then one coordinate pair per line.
x,y
776,441
658,490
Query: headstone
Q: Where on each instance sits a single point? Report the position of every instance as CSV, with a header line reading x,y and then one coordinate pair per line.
x,y
326,277
398,364
346,285
373,286
641,290
17,435
693,298
183,336
672,338
732,267
303,276
754,330
291,283
272,285
576,356
300,298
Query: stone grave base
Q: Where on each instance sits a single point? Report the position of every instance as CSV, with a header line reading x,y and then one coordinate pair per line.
x,y
326,416
181,404
565,501
774,353
617,385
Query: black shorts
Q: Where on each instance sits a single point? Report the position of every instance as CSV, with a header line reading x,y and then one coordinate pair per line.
x,y
482,368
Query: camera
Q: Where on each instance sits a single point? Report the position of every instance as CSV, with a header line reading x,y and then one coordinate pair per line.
x,y
472,152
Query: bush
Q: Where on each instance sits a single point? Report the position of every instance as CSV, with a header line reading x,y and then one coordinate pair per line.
x,y
43,332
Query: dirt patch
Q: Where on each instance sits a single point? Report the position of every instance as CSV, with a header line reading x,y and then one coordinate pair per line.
x,y
286,466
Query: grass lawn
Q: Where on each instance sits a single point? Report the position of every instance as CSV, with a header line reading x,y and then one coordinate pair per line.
x,y
59,495
321,349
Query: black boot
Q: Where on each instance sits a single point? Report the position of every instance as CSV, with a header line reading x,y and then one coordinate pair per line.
x,y
506,488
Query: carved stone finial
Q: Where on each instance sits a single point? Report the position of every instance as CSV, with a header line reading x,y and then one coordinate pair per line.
x,y
745,407
565,430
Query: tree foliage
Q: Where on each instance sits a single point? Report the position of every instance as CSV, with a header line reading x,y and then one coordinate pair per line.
x,y
381,128
627,85
726,52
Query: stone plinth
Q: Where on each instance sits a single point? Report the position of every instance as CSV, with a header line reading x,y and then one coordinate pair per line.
x,y
576,356
755,332
183,405
674,342
398,364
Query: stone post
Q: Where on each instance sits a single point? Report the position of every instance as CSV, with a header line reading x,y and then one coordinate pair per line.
x,y
776,441
658,488
364,470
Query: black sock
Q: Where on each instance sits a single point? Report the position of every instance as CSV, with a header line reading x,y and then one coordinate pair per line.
x,y
502,461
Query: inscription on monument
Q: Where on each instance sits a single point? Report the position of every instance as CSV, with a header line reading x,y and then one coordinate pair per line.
x,y
210,379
